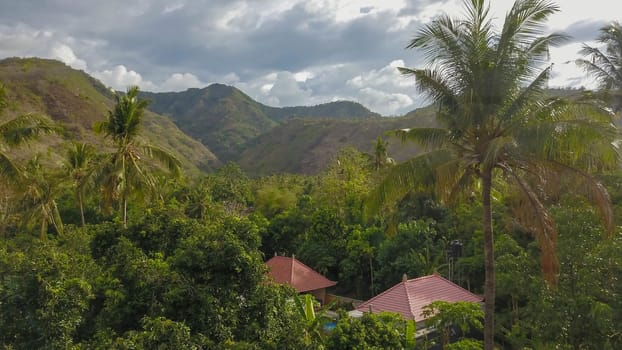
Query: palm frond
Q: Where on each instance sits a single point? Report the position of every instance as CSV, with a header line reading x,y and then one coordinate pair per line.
x,y
453,180
430,138
601,68
25,128
170,162
8,170
606,64
526,97
531,214
587,185
416,174
442,36
496,149
101,127
524,22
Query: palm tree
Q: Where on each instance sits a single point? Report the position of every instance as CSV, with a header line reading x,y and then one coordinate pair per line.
x,y
606,65
79,166
17,131
125,170
39,189
380,153
498,125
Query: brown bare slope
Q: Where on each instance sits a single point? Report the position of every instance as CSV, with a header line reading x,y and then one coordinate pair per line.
x,y
76,101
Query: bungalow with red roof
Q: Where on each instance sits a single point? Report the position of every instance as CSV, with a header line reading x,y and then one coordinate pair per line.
x,y
409,297
301,277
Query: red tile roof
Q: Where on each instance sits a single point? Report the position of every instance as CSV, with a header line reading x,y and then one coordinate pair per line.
x,y
408,298
298,275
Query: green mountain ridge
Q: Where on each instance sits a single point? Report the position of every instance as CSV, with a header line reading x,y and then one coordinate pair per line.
x,y
226,120
221,117
76,101
209,126
307,146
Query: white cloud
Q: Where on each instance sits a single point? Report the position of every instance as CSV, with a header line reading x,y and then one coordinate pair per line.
x,y
344,11
384,90
280,52
119,78
168,8
565,71
384,102
65,54
287,91
303,76
230,78
388,76
180,82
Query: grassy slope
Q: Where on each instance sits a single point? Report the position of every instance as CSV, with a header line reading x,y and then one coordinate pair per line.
x,y
76,100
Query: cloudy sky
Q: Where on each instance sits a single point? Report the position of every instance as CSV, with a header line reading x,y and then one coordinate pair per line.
x,y
280,52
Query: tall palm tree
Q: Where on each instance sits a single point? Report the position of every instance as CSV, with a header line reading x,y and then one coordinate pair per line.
x,y
498,125
606,65
39,189
126,169
80,166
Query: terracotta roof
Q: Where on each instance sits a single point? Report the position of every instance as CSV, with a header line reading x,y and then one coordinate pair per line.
x,y
298,275
408,298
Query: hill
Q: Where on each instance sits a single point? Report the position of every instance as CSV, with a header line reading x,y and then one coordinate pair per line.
x,y
332,110
76,101
221,117
303,145
225,119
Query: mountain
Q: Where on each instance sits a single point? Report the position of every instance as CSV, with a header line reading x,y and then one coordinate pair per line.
x,y
307,146
225,119
333,110
262,139
76,101
221,117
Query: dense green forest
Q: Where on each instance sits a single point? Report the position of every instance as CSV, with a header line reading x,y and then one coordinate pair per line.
x,y
122,243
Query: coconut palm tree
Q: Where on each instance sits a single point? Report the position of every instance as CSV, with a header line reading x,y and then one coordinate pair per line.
x,y
39,189
380,153
606,65
498,126
17,131
79,166
126,169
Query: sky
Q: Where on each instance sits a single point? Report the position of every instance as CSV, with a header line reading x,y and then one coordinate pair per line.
x,y
279,52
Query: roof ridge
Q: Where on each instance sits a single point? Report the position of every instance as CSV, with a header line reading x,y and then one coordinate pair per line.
x,y
300,263
423,277
291,272
454,284
383,293
411,307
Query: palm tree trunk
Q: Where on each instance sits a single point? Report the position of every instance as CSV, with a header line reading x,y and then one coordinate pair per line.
x,y
124,193
489,262
124,204
81,203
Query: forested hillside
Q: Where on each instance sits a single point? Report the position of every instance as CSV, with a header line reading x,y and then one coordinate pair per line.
x,y
76,101
226,120
119,231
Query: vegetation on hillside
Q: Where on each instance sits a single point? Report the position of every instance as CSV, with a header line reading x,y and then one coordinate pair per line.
x,y
226,120
179,260
76,101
